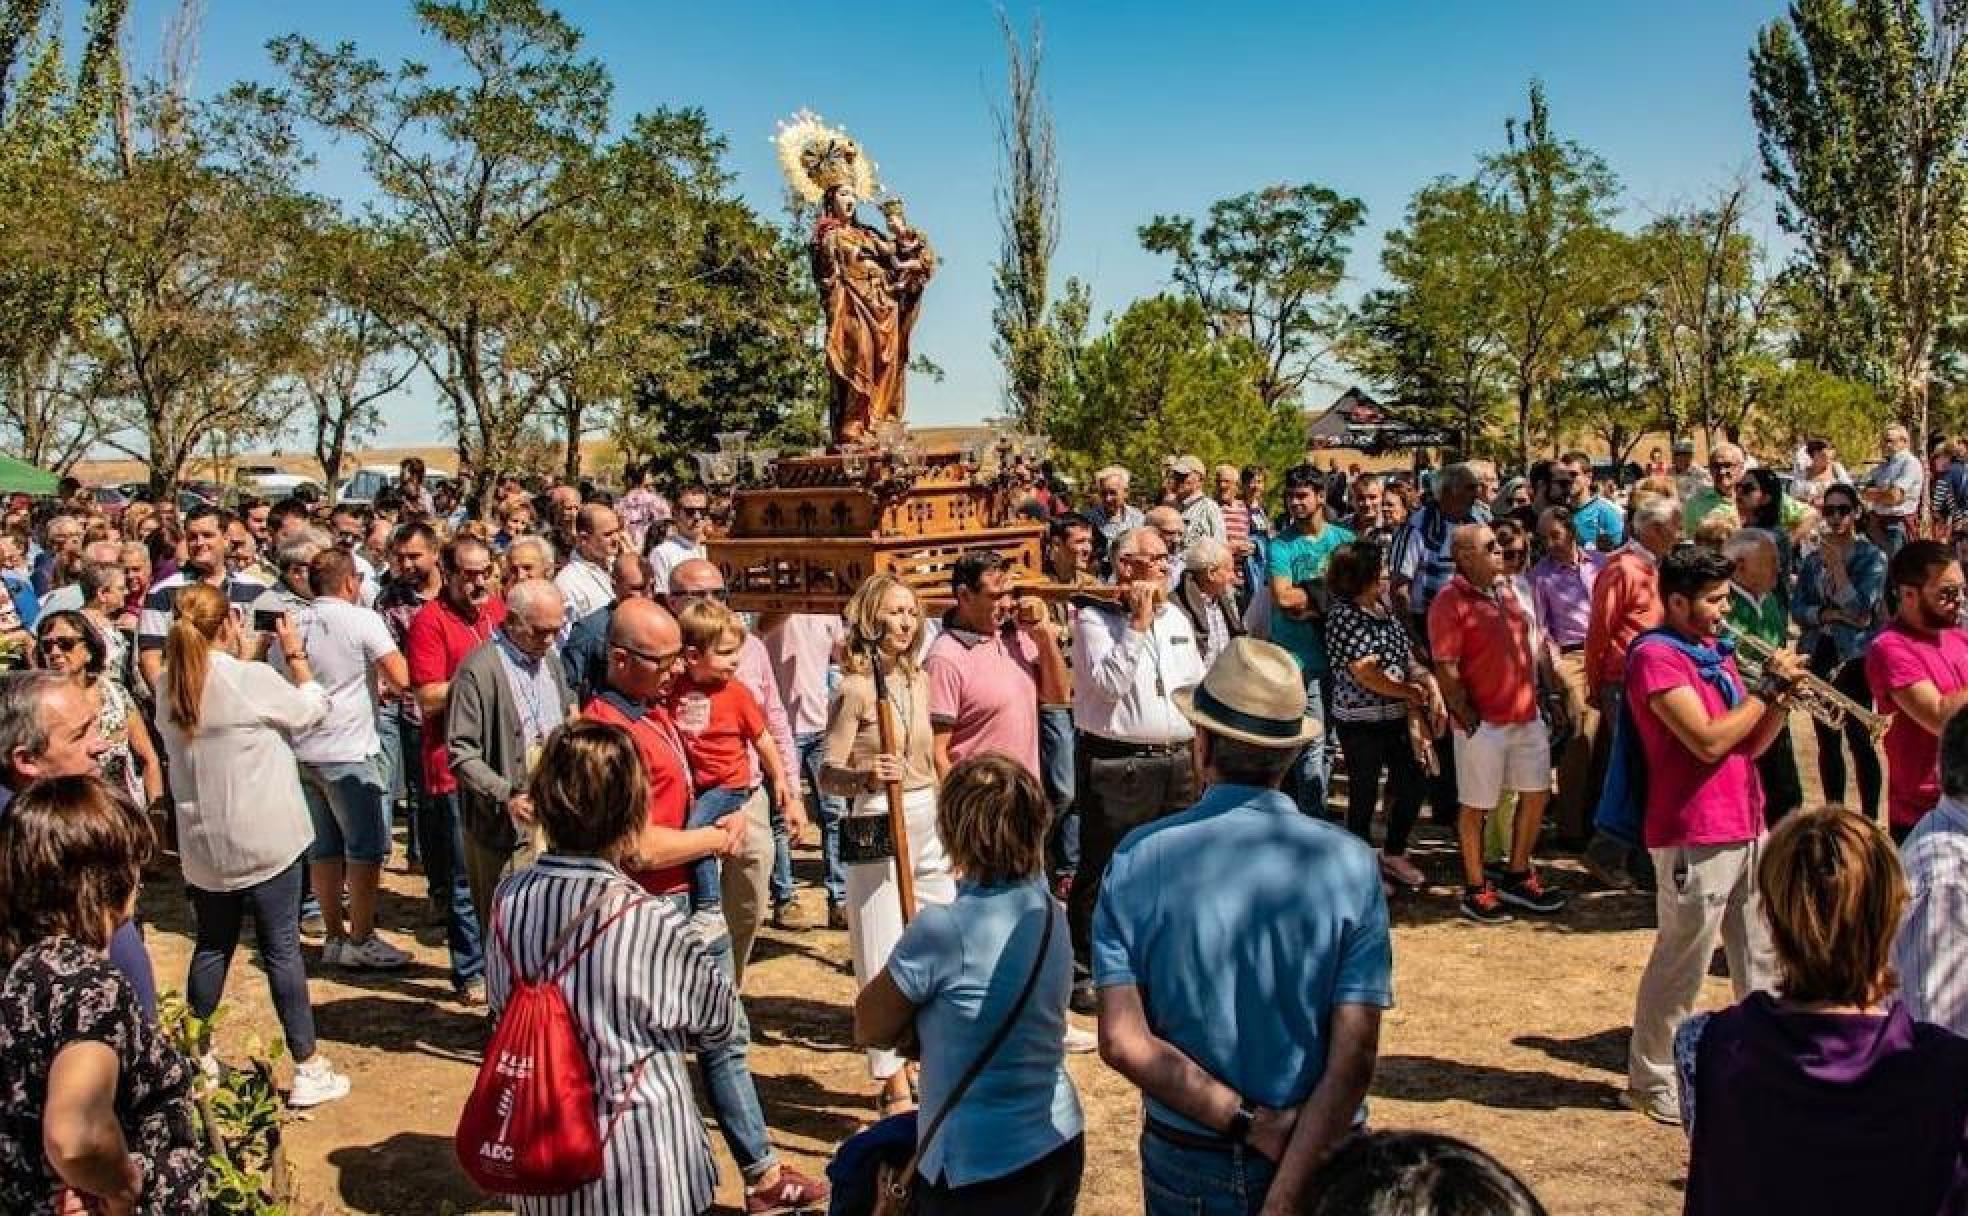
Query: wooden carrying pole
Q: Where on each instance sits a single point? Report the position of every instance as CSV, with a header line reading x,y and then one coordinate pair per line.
x,y
898,827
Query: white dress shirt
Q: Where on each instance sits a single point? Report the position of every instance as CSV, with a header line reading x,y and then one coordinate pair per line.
x,y
586,586
1123,680
673,552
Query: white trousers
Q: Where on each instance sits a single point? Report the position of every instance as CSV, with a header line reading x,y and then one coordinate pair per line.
x,y
874,901
1705,892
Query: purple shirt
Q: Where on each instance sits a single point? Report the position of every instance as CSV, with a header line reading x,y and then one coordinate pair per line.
x,y
1562,594
1823,1112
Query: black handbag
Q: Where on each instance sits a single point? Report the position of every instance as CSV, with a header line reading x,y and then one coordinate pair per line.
x,y
895,1190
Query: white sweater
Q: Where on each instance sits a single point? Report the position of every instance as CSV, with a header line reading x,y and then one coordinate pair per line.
x,y
241,816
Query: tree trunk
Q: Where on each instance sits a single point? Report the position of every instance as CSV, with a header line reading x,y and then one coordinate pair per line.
x,y
570,414
1524,394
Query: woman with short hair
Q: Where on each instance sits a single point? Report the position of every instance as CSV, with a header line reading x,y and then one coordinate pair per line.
x,y
95,1103
884,625
644,994
1013,1141
243,824
1825,1096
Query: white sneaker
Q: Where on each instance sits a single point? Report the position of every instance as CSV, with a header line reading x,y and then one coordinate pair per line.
x,y
710,925
1079,1042
335,952
316,1082
373,951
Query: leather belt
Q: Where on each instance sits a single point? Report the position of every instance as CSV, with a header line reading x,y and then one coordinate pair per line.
x,y
1187,1139
1100,745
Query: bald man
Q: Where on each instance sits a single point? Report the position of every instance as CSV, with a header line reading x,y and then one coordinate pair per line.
x,y
766,869
585,580
645,648
1479,635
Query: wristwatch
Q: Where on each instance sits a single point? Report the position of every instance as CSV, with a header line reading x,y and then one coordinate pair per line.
x,y
1240,1123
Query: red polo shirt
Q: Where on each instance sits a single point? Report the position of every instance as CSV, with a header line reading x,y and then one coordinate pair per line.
x,y
669,778
437,641
1487,636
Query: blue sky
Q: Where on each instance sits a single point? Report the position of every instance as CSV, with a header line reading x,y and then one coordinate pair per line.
x,y
1160,107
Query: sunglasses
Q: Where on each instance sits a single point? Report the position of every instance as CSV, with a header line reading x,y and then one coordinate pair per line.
x,y
1948,595
693,512
659,660
1514,555
67,644
720,594
1835,512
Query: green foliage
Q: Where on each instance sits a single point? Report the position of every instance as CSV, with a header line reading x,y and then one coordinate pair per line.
x,y
1431,338
1551,200
1028,206
1159,382
240,1115
1797,400
1266,268
1861,110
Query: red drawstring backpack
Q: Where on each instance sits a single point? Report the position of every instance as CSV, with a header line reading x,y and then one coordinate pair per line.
x,y
530,1126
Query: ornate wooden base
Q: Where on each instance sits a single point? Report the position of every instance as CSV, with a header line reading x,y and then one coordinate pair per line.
x,y
804,543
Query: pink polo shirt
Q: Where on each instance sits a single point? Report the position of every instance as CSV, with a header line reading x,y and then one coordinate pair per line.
x,y
1689,802
986,691
1900,658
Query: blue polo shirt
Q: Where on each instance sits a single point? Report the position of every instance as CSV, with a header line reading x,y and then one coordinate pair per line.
x,y
1244,922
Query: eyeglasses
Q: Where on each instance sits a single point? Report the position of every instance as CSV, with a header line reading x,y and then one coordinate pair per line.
x,y
1948,595
1514,555
1724,464
693,512
720,594
67,644
1148,559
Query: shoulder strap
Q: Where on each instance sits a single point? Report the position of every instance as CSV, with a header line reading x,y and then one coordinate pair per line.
x,y
565,935
998,1038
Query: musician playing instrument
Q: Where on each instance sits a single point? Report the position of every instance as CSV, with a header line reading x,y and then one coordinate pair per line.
x,y
1696,734
1133,755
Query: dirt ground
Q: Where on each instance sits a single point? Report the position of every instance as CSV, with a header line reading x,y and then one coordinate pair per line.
x,y
1511,1036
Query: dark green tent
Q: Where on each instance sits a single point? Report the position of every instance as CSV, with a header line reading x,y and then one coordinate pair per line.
x,y
20,477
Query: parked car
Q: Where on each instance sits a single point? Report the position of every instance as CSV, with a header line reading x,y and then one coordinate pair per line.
x,y
362,486
273,483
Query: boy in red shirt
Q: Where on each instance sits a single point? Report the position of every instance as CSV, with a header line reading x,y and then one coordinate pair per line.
x,y
722,726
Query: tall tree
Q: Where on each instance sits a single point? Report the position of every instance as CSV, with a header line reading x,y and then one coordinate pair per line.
x,y
51,121
1430,339
1028,217
1158,381
1552,199
470,173
1861,110
345,357
1266,267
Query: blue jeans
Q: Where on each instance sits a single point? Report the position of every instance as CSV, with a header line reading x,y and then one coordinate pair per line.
x,y
1179,1181
1056,774
1895,532
444,862
728,1076
706,888
780,881
403,770
825,810
1312,774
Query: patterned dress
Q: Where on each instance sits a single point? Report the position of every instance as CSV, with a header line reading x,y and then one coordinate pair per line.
x,y
60,992
119,763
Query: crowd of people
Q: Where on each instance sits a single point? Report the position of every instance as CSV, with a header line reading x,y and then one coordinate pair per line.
x,y
1117,800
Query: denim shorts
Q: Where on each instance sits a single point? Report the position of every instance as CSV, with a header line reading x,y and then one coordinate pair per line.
x,y
350,807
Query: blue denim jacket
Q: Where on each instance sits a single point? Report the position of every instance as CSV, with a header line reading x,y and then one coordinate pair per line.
x,y
1865,577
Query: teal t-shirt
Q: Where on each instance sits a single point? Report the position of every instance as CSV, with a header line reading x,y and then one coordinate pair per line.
x,y
1297,557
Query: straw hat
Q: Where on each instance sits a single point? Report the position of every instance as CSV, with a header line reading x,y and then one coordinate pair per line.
x,y
1253,693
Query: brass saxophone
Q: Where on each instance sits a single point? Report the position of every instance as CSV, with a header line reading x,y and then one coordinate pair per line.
x,y
1825,704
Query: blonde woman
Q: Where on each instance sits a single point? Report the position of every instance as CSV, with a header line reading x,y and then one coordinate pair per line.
x,y
884,624
243,825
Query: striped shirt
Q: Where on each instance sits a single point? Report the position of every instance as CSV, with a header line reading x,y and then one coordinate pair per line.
x,y
155,620
647,989
1933,939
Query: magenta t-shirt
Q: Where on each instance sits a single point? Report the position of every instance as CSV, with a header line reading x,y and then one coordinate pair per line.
x,y
986,690
1901,658
1689,802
